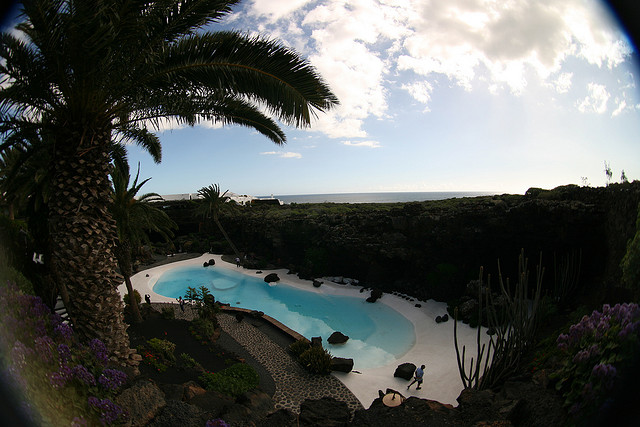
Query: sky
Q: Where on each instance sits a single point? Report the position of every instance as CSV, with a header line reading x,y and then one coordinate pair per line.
x,y
457,95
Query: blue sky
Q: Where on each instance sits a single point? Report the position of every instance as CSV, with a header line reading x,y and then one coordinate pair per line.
x,y
462,95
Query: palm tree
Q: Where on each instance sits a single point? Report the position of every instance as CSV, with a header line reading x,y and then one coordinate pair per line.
x,y
135,216
213,201
86,73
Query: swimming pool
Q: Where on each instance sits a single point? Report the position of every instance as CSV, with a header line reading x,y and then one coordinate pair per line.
x,y
378,334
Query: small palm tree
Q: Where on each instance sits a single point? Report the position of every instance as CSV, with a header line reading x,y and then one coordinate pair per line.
x,y
210,208
135,217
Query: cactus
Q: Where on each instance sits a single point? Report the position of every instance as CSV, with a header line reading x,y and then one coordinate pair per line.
x,y
567,274
514,330
471,379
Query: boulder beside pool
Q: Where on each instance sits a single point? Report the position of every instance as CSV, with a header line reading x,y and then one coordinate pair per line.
x,y
341,364
405,371
271,277
337,338
375,295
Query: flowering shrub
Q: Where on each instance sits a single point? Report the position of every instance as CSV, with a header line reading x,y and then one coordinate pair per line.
x,y
218,422
595,350
158,354
152,360
62,381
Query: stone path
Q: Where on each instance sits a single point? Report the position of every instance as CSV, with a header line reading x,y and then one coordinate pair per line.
x,y
293,384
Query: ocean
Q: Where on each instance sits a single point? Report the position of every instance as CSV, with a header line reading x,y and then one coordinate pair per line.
x,y
377,197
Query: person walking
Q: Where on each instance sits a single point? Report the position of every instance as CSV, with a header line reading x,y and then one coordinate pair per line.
x,y
181,302
418,378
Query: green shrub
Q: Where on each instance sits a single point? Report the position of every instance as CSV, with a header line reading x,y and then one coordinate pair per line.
x,y
204,327
187,361
135,293
232,381
163,348
631,261
10,274
299,347
203,302
316,360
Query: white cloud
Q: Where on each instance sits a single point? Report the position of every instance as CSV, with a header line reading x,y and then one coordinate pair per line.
x,y
563,83
276,9
284,155
596,101
360,46
622,105
170,123
420,91
370,144
508,38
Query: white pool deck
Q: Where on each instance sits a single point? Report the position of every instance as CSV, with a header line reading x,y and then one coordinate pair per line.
x,y
434,344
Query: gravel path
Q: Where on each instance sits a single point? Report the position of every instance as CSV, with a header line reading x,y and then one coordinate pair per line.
x,y
293,384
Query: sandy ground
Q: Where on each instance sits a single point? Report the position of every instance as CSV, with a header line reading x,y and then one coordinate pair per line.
x,y
434,344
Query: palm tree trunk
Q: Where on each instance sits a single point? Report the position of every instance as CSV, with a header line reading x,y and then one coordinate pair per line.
x,y
224,233
83,239
123,251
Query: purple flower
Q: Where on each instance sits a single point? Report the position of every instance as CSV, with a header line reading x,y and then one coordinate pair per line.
x,y
111,379
109,411
60,378
64,352
64,330
78,422
581,356
35,307
40,328
562,341
218,422
606,373
57,380
81,373
587,391
99,350
56,319
20,353
44,348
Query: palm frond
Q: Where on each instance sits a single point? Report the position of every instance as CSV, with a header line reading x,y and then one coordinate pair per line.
x,y
191,108
172,19
258,68
141,136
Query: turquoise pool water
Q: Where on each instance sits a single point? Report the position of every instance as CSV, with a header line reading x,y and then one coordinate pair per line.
x,y
378,334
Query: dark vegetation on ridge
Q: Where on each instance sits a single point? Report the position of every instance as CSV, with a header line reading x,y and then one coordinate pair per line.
x,y
433,249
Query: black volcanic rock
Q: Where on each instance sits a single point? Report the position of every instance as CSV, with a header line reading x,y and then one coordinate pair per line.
x,y
271,277
341,364
405,370
326,411
337,338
